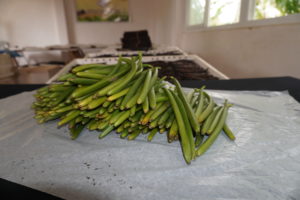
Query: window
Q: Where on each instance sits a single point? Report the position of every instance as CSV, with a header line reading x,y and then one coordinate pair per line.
x,y
223,12
196,14
275,8
214,13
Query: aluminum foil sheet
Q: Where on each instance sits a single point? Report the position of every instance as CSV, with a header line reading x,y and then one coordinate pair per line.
x,y
263,162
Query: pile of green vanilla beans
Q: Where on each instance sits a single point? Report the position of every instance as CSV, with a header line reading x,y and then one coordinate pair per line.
x,y
129,98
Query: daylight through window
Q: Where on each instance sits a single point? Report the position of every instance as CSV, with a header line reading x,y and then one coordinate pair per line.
x,y
275,8
223,12
196,14
212,13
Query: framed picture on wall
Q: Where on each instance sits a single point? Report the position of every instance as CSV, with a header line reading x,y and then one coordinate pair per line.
x,y
102,10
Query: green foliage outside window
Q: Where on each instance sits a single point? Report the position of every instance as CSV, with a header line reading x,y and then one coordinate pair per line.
x,y
275,8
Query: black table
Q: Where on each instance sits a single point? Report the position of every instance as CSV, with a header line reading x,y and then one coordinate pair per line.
x,y
272,84
13,190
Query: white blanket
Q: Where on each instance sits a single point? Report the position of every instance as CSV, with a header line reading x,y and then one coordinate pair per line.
x,y
263,162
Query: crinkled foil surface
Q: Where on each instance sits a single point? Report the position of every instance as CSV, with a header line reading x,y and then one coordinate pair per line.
x,y
263,162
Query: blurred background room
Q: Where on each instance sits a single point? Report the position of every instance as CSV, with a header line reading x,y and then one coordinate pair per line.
x,y
236,38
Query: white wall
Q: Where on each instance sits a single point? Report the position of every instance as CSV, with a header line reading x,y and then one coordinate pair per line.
x,y
144,14
32,22
162,17
263,51
257,52
49,22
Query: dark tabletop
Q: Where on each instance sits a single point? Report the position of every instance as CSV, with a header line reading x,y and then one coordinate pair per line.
x,y
271,84
292,85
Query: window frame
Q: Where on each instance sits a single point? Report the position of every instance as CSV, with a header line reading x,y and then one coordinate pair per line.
x,y
245,21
